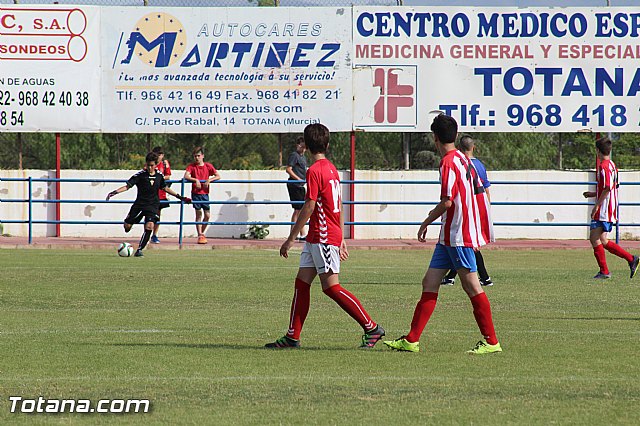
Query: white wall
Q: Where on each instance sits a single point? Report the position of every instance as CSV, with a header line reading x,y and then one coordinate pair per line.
x,y
93,211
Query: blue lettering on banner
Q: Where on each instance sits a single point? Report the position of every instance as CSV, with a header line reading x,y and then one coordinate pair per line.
x,y
217,55
519,81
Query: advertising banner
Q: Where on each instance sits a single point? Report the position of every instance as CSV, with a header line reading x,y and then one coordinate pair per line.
x,y
50,69
226,70
497,69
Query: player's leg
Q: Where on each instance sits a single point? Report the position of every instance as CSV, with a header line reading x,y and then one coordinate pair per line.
x,y
427,303
327,261
449,278
154,236
198,225
151,218
615,249
438,267
206,215
598,249
485,279
134,216
467,270
299,303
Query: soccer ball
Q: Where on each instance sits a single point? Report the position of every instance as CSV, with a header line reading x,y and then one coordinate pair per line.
x,y
125,250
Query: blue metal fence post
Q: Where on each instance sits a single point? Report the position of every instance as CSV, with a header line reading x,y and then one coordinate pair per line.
x,y
30,210
181,213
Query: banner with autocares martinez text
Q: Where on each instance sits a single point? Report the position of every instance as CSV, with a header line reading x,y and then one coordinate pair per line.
x,y
225,70
497,69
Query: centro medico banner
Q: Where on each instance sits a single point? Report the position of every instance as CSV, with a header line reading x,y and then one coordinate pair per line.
x,y
497,69
226,70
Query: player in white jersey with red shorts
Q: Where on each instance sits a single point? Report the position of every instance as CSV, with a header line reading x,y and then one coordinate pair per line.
x,y
461,232
605,212
324,248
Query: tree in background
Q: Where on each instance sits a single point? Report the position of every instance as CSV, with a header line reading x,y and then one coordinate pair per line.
x,y
374,151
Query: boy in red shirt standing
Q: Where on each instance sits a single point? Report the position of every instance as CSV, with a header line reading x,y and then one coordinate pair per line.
x,y
605,212
324,248
201,174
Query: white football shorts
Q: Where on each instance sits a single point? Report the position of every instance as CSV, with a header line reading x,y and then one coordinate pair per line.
x,y
324,257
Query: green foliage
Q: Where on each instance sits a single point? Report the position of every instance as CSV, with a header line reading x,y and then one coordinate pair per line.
x,y
374,151
263,3
256,232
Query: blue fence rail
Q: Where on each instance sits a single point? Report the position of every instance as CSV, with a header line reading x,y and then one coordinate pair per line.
x,y
181,223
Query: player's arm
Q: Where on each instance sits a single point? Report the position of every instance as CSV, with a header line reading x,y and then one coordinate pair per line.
x,y
290,172
434,214
117,191
187,176
178,196
303,217
214,177
599,202
486,190
344,253
589,194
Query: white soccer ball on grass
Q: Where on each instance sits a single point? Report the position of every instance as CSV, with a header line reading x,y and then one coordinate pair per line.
x,y
125,250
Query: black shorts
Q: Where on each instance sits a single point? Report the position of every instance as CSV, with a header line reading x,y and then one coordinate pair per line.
x,y
296,193
137,212
164,205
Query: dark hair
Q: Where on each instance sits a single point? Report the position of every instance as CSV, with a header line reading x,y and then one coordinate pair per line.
x,y
299,140
603,145
316,137
197,149
158,150
445,128
152,156
466,143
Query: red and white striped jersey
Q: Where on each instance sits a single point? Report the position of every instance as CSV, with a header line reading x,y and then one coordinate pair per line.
x,y
607,178
464,223
323,186
484,213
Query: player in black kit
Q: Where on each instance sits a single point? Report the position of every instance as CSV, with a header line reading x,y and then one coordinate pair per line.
x,y
147,204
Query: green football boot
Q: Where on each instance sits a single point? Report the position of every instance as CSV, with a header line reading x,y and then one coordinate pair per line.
x,y
402,344
483,348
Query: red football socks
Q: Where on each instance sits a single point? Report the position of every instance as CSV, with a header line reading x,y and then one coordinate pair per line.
x,y
351,305
421,315
299,308
613,248
482,312
598,252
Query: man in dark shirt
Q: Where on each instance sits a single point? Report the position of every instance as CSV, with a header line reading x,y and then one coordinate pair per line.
x,y
297,171
147,204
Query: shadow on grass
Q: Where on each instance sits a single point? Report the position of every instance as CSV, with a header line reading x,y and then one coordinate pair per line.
x,y
227,346
597,319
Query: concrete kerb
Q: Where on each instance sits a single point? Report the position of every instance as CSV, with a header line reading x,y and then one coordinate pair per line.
x,y
273,244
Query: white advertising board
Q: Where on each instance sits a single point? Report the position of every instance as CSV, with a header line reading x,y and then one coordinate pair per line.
x,y
497,69
226,70
49,69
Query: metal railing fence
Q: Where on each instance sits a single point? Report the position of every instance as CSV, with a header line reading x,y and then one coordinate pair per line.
x,y
181,223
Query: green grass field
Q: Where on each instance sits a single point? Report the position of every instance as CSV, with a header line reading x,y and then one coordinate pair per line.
x,y
185,329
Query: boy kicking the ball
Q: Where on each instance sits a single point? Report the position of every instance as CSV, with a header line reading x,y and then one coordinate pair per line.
x,y
324,248
147,204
